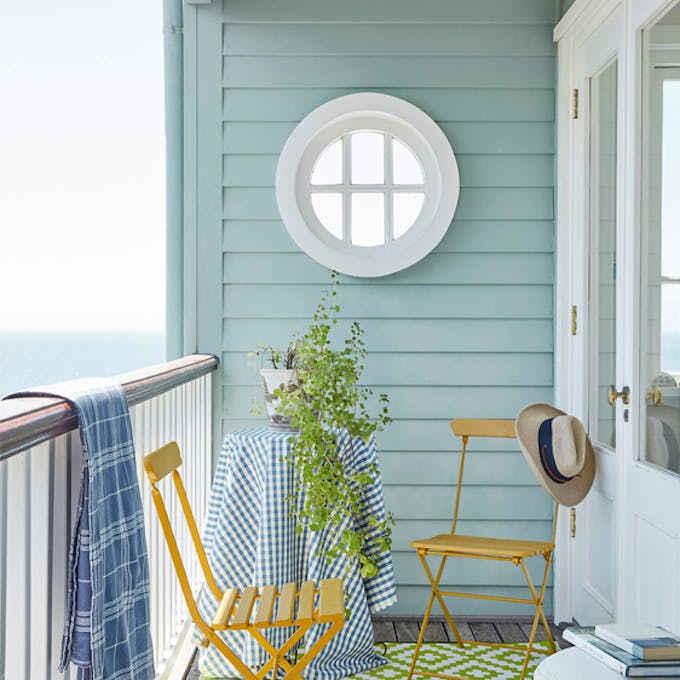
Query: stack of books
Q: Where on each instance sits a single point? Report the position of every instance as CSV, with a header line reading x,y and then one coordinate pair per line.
x,y
636,651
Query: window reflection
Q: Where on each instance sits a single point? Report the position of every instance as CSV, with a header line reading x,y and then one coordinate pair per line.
x,y
661,241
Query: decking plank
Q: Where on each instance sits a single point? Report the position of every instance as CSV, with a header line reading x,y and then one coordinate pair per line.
x,y
383,631
484,632
510,632
407,631
540,633
463,630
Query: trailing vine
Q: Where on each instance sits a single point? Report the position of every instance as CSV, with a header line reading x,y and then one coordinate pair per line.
x,y
327,400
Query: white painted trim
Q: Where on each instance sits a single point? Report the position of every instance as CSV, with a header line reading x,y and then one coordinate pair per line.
x,y
339,117
563,300
177,665
190,301
585,19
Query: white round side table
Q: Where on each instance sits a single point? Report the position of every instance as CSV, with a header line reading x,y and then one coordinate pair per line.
x,y
573,664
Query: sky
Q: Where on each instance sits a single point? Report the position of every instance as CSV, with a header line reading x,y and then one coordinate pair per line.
x,y
82,188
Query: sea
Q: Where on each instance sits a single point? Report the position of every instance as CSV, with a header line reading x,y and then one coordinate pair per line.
x,y
37,359
33,359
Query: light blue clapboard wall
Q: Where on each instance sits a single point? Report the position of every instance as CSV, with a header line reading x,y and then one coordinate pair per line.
x,y
465,332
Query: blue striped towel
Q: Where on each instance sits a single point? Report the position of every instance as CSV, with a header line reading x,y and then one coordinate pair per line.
x,y
107,629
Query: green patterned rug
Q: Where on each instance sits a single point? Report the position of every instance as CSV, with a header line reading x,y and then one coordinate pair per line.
x,y
472,661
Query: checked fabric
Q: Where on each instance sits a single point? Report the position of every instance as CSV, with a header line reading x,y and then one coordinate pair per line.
x,y
250,539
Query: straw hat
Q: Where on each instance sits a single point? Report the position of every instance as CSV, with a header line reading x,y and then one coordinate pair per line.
x,y
558,451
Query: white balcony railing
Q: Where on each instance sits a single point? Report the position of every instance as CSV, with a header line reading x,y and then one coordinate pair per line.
x,y
40,463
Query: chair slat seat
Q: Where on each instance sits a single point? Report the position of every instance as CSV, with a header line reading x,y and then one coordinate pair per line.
x,y
245,608
266,607
306,603
331,600
284,616
482,546
225,608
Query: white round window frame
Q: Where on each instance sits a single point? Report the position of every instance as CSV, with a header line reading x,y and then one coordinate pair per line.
x,y
392,116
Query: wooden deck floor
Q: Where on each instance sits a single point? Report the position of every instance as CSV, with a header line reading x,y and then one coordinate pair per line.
x,y
406,629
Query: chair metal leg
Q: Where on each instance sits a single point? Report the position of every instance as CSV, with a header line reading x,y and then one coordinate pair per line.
x,y
537,599
295,671
435,589
434,593
231,656
277,656
539,613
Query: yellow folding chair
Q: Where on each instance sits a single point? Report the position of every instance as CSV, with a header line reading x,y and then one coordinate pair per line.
x,y
235,610
482,548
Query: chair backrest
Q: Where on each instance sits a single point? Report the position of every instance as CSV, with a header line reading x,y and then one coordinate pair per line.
x,y
476,427
157,466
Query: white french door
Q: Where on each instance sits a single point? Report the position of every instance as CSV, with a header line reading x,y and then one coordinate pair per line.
x,y
618,367
651,519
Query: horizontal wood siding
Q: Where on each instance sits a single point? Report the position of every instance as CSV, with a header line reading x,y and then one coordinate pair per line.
x,y
465,332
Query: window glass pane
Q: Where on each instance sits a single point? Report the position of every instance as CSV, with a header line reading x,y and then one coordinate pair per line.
x,y
670,180
328,167
602,195
368,219
670,329
368,159
660,347
328,208
406,168
405,211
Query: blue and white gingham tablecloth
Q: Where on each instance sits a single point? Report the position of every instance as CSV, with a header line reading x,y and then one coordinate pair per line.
x,y
250,539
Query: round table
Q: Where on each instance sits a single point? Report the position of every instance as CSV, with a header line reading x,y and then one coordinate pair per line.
x,y
573,664
251,539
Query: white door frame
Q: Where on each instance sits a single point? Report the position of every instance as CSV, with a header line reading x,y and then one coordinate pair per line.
x,y
584,17
572,272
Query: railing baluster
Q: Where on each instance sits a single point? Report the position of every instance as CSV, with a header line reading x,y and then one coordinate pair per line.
x,y
3,563
61,522
40,500
17,568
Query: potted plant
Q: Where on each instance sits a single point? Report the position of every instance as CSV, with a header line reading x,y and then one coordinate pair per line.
x,y
321,400
282,376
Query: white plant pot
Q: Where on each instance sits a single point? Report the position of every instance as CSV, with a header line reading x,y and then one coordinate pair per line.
x,y
273,379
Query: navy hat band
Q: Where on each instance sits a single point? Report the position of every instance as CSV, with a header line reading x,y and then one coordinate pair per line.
x,y
545,449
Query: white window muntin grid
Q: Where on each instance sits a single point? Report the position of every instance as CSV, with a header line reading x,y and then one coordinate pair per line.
x,y
390,127
387,188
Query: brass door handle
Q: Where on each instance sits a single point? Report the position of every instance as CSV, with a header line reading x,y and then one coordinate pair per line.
x,y
613,395
656,395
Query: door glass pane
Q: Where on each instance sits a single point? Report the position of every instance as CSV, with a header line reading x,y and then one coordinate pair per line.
x,y
602,206
661,248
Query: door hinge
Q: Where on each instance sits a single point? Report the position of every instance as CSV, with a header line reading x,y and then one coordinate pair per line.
x,y
574,319
574,103
572,522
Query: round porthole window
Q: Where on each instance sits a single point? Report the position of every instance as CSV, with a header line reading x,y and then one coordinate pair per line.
x,y
367,184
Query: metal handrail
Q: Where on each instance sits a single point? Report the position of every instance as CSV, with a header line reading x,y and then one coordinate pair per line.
x,y
25,422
